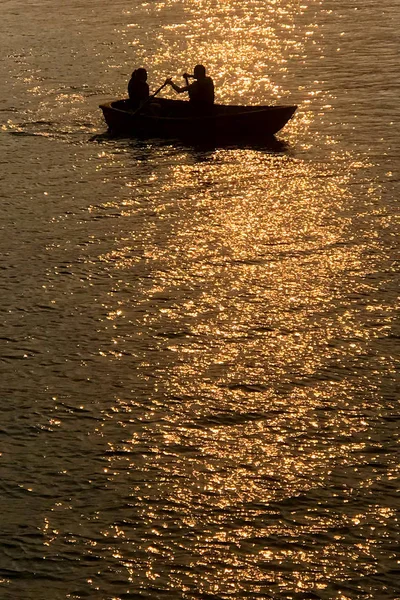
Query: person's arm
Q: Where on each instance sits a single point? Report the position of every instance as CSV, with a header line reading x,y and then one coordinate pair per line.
x,y
178,90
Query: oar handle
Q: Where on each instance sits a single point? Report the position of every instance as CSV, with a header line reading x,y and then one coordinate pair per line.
x,y
150,98
159,90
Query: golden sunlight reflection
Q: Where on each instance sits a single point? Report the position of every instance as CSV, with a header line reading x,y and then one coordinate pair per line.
x,y
229,321
222,313
238,280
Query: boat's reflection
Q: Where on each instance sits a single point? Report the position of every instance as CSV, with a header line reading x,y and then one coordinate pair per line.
x,y
269,144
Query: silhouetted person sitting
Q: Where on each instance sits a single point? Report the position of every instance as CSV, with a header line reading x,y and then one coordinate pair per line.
x,y
138,88
201,91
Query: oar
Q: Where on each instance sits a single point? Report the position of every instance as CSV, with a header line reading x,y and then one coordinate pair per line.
x,y
150,98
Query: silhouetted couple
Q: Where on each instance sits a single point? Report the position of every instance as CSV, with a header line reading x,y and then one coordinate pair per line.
x,y
201,90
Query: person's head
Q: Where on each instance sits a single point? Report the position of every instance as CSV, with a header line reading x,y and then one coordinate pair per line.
x,y
141,74
199,72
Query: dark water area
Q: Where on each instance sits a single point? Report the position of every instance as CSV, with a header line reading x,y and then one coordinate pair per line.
x,y
199,348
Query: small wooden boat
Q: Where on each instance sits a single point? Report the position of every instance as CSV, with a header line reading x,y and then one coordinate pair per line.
x,y
175,119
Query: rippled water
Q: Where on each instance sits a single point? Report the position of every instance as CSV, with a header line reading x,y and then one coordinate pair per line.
x,y
199,351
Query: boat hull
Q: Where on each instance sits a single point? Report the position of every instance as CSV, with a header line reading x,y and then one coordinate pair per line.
x,y
175,119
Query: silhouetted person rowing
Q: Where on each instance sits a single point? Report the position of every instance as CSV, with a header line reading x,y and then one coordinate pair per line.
x,y
138,88
201,91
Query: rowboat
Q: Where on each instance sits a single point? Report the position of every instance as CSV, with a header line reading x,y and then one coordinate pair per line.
x,y
176,119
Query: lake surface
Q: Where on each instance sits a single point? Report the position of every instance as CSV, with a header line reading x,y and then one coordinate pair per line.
x,y
200,347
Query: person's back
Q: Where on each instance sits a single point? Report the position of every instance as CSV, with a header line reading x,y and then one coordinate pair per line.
x,y
138,88
201,91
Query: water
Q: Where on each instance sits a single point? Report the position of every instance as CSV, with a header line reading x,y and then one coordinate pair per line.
x,y
199,351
